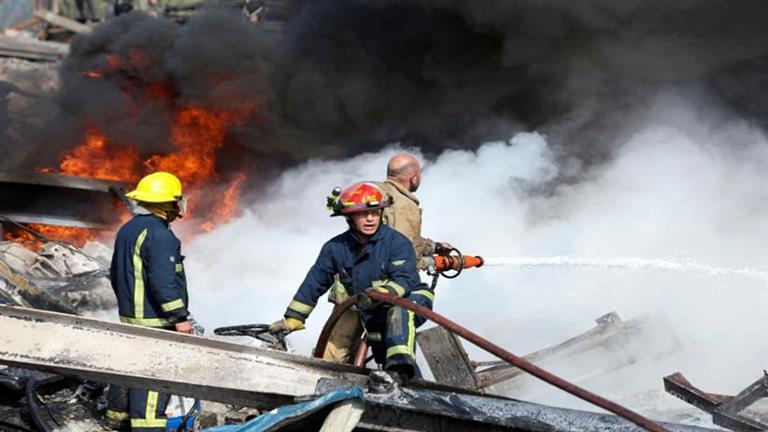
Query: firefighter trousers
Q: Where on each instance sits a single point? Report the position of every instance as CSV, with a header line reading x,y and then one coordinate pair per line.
x,y
345,336
391,332
144,409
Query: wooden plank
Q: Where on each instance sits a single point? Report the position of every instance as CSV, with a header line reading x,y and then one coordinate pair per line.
x,y
344,416
28,23
61,21
446,357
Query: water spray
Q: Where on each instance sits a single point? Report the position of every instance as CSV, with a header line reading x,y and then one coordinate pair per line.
x,y
628,263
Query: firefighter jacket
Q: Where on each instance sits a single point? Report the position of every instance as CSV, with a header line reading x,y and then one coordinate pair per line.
x,y
404,215
147,273
385,260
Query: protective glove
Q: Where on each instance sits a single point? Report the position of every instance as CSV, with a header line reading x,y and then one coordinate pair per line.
x,y
443,248
338,292
286,326
197,329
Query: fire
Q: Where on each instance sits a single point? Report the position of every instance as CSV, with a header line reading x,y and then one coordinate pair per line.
x,y
228,203
76,236
93,74
197,135
94,159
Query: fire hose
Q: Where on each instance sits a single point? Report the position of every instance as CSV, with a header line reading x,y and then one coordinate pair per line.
x,y
492,348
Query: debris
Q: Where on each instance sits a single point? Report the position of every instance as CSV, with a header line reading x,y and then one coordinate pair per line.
x,y
32,49
61,21
60,275
264,378
24,293
726,410
619,343
62,261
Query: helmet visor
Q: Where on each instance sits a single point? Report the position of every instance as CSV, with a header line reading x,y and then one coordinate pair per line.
x,y
182,203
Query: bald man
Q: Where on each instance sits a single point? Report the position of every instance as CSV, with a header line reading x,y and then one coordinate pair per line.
x,y
404,178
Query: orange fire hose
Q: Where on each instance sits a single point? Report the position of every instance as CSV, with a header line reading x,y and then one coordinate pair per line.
x,y
492,348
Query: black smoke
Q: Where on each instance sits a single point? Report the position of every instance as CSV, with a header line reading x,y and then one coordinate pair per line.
x,y
341,77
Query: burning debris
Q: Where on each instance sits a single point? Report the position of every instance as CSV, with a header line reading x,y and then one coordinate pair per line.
x,y
226,101
57,272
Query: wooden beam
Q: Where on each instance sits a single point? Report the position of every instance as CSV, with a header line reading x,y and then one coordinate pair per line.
x,y
344,416
27,23
446,358
61,21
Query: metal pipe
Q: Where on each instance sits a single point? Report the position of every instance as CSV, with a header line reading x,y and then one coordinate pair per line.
x,y
520,362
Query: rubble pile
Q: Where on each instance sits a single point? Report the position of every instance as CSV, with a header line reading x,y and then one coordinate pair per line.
x,y
61,277
59,271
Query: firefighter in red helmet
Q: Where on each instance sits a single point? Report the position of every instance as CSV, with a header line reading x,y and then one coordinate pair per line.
x,y
367,256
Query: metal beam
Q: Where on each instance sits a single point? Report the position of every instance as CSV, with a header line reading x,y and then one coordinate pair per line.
x,y
52,199
724,409
415,409
134,356
624,342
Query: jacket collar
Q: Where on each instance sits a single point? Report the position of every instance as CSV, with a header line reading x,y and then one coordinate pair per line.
x,y
402,190
142,212
363,249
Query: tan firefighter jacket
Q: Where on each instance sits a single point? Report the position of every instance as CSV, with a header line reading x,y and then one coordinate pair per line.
x,y
404,215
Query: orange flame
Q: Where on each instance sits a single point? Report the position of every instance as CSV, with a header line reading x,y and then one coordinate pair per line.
x,y
197,134
93,74
76,236
94,159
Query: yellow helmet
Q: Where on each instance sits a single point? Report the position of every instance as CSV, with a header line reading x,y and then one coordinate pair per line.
x,y
157,188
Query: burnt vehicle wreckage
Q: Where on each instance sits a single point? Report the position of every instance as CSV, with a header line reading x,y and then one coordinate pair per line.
x,y
58,361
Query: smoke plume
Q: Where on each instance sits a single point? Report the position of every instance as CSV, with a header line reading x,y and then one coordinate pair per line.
x,y
338,78
672,194
596,129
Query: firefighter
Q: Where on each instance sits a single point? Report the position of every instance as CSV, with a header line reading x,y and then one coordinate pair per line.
x,y
404,215
368,256
403,179
147,275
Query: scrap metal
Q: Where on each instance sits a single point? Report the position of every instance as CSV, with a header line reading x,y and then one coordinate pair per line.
x,y
725,410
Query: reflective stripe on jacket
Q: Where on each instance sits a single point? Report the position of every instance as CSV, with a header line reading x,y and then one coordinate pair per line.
x,y
147,273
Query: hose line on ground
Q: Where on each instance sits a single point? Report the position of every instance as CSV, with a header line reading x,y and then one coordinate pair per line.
x,y
34,409
492,348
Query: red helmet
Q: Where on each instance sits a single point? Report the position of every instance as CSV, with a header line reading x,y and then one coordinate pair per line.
x,y
361,197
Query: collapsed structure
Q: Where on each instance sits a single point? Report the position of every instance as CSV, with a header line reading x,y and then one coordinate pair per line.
x,y
62,278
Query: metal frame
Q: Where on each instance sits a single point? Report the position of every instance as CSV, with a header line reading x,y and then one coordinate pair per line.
x,y
725,410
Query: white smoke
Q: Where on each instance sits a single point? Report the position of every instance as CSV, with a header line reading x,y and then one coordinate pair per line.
x,y
671,192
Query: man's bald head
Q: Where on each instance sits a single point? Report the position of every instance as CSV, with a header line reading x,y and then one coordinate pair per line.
x,y
405,170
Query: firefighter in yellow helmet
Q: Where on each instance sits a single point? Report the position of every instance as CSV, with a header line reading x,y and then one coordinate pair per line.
x,y
147,275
